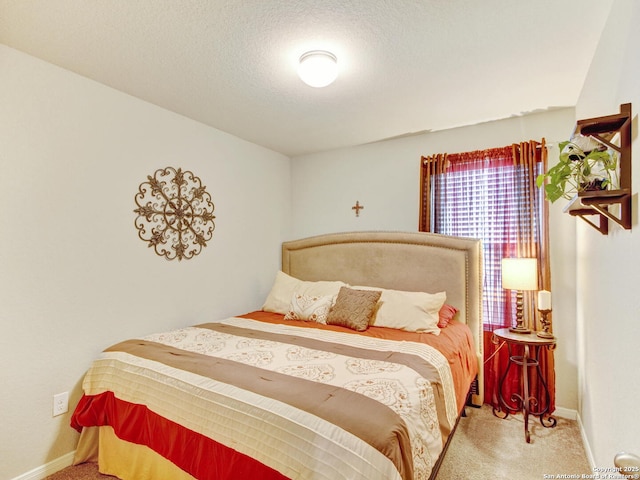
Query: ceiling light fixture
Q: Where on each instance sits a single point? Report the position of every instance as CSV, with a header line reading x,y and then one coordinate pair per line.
x,y
318,68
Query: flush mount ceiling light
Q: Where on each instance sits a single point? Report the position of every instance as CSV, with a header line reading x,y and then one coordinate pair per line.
x,y
318,68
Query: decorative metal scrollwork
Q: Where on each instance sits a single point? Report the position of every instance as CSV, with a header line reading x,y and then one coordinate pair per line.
x,y
175,213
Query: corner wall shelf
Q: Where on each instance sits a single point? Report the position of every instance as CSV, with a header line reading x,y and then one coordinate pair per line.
x,y
596,203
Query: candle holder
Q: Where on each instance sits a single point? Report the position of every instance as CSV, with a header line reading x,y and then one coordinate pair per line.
x,y
546,323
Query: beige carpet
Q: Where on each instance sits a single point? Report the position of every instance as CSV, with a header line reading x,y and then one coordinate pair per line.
x,y
487,447
483,447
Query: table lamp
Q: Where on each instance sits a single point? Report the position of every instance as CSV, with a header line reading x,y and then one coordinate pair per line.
x,y
520,274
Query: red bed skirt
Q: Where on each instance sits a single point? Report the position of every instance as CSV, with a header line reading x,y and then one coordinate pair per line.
x,y
196,454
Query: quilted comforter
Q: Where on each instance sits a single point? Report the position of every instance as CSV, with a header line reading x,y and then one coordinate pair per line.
x,y
242,398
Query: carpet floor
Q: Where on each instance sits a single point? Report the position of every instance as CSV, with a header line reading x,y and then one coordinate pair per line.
x,y
483,447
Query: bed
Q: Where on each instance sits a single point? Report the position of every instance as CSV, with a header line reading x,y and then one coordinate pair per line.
x,y
303,389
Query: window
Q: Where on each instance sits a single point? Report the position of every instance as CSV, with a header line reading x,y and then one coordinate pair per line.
x,y
479,205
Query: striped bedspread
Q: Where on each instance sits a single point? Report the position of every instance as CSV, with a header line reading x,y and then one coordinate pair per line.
x,y
279,400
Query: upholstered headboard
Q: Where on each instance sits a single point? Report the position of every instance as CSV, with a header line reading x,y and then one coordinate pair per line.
x,y
411,261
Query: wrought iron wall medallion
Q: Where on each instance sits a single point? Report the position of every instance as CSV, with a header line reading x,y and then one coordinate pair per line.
x,y
175,213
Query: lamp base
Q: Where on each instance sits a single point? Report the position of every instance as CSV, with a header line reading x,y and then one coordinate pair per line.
x,y
520,329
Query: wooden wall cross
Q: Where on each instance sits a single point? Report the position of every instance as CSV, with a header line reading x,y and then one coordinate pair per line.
x,y
357,207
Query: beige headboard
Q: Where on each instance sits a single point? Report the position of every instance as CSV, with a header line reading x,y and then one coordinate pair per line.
x,y
410,261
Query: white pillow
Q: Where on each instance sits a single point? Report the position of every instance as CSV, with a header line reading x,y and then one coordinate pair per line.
x,y
285,286
310,308
410,311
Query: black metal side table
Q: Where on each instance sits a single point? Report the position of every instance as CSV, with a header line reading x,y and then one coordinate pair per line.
x,y
532,344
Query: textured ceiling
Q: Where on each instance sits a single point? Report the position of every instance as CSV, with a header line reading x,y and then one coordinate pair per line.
x,y
406,66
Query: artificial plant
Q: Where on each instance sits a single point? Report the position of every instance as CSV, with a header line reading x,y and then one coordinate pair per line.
x,y
584,164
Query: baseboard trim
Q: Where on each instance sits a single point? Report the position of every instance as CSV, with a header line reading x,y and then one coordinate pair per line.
x,y
567,413
585,442
47,469
570,414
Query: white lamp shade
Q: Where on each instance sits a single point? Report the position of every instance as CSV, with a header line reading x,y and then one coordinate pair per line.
x,y
318,68
520,273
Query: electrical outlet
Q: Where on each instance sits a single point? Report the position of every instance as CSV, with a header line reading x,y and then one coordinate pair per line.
x,y
60,403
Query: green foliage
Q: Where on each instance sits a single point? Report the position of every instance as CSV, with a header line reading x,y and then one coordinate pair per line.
x,y
573,171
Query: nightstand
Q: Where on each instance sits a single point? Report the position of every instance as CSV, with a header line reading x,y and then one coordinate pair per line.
x,y
531,345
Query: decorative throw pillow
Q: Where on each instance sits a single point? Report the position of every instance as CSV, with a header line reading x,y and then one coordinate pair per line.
x,y
309,308
285,286
446,314
354,309
410,311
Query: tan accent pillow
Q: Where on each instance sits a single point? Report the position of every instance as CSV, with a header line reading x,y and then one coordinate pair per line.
x,y
410,311
353,309
309,308
285,286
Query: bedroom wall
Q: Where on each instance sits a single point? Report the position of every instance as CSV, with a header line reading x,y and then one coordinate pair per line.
x,y
74,277
384,177
608,267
